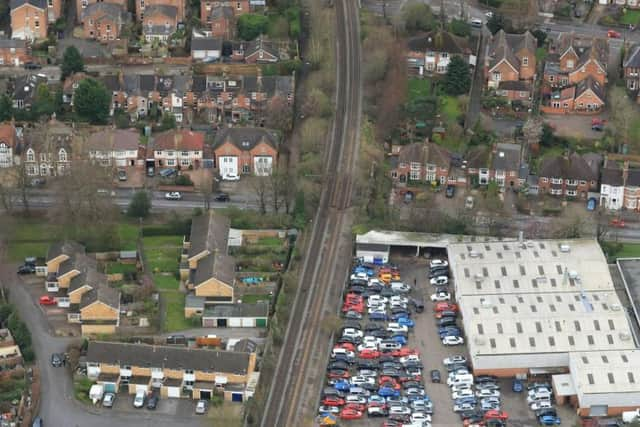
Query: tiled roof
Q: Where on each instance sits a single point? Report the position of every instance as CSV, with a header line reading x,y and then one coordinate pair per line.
x,y
633,57
246,138
102,293
41,4
113,139
209,231
439,41
590,84
612,175
206,43
179,140
571,167
506,157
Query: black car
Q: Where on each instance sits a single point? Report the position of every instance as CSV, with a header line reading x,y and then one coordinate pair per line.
x,y
450,191
26,269
357,289
435,376
448,313
413,364
349,340
473,414
354,324
32,66
531,386
417,304
438,272
379,333
152,403
457,366
387,292
376,287
342,358
391,372
369,386
330,391
373,327
221,197
485,379
358,282
353,315
392,365
446,321
367,364
56,360
412,384
338,364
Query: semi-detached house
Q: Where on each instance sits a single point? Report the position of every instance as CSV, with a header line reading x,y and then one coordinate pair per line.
x,y
113,147
620,186
246,151
48,149
179,149
9,141
571,175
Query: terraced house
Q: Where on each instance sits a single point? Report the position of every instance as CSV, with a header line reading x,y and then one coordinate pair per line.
x,y
181,149
13,52
104,21
9,141
421,162
48,148
174,372
113,147
571,175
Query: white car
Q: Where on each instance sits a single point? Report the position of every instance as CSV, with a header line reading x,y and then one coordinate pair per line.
x,y
397,299
441,296
452,360
452,340
353,398
460,387
396,327
397,304
375,304
440,281
351,332
375,281
420,418
378,299
462,393
538,397
328,410
359,276
367,373
542,404
358,380
231,177
377,309
368,346
464,407
435,263
174,195
138,400
488,14
399,410
487,393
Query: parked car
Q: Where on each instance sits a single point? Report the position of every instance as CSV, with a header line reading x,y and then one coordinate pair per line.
x,y
452,360
47,300
108,400
435,376
138,399
468,203
57,360
31,66
450,191
201,407
612,34
452,340
37,422
152,403
439,281
221,197
231,177
26,269
438,263
549,420
328,410
440,296
517,386
500,415
122,175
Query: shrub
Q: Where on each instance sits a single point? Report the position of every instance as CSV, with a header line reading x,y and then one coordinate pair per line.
x,y
183,180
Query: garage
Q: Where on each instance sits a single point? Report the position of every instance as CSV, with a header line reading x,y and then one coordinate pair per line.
x,y
236,315
110,387
140,388
173,392
121,163
236,397
248,322
206,394
373,253
261,323
209,323
234,322
222,323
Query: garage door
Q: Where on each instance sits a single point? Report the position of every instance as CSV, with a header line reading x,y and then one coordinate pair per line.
x,y
248,322
222,323
121,163
141,388
173,391
236,397
208,322
234,322
261,323
109,387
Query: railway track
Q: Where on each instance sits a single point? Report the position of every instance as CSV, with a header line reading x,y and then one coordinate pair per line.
x,y
300,369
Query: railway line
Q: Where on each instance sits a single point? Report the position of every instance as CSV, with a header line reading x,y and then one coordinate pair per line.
x,y
300,369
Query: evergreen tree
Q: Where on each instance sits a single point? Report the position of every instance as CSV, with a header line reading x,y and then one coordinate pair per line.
x,y
458,78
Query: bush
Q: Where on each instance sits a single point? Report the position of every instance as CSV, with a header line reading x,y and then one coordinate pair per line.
x,y
183,180
460,28
252,25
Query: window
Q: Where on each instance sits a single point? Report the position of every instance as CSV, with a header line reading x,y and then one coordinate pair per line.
x,y
519,327
534,309
185,154
492,342
631,377
605,359
572,193
590,339
596,324
37,23
480,329
514,309
538,327
245,168
532,341
552,341
571,340
577,325
525,61
31,157
499,327
496,76
551,78
612,326
62,155
184,162
558,327
523,94
611,379
512,342
570,64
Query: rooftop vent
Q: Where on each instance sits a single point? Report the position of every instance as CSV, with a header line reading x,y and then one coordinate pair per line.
x,y
616,307
573,274
565,248
473,254
530,244
624,336
485,303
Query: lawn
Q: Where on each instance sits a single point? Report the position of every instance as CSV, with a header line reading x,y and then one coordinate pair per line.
x,y
629,250
34,231
270,241
635,130
128,234
166,282
419,88
116,267
19,251
163,252
254,298
450,108
174,319
630,17
154,241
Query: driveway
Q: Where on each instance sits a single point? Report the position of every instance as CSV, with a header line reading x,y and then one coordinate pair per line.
x,y
575,126
58,406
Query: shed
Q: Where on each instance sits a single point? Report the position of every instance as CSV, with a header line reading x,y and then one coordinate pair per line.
x,y
128,256
236,316
373,252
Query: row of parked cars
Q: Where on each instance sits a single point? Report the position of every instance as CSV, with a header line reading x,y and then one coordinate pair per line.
x,y
372,371
445,312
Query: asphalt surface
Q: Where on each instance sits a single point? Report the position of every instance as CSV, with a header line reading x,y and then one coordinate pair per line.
x,y
298,378
58,406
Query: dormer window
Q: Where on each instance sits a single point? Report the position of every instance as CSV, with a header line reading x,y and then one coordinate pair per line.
x,y
246,144
62,155
570,64
525,61
31,157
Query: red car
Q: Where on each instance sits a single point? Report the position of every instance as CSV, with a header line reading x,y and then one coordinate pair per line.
x,y
391,384
338,373
332,401
369,354
617,222
445,306
346,346
495,415
350,414
405,351
613,34
47,300
358,308
355,406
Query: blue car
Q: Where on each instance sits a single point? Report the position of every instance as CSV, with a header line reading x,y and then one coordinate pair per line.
x,y
402,340
378,316
517,386
342,385
448,329
453,332
388,391
472,400
399,315
549,420
404,321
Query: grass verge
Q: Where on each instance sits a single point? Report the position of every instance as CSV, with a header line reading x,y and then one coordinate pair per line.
x,y
174,319
166,282
254,298
19,251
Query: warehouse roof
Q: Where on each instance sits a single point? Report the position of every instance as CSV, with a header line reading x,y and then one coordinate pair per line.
x,y
605,371
409,238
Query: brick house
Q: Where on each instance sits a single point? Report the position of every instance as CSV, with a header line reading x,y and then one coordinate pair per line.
x,y
175,371
13,52
29,19
222,21
631,69
421,162
206,49
516,90
573,59
142,8
510,57
10,355
505,165
113,147
571,175
48,148
237,7
10,143
179,149
160,21
81,5
246,151
70,85
430,54
585,97
261,51
103,21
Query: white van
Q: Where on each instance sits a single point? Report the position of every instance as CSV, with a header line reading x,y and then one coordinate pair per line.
x,y
359,391
476,22
630,416
460,379
350,354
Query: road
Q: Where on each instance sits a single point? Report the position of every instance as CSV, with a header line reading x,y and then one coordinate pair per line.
x,y
58,406
299,373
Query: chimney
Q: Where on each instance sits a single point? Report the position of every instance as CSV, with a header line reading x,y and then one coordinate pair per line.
x,y
625,171
520,236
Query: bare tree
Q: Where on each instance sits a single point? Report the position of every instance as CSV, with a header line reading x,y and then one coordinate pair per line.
x,y
15,189
622,114
207,189
261,186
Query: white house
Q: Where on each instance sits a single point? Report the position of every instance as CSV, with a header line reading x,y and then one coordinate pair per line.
x,y
178,148
113,147
8,141
206,49
612,188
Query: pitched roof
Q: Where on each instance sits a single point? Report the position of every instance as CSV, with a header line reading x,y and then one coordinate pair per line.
x,y
206,43
158,30
102,293
246,138
517,85
590,84
179,140
111,82
439,41
633,177
506,157
261,44
424,153
217,265
597,50
501,50
478,157
49,137
633,57
89,274
25,86
162,9
219,12
573,166
12,43
68,247
612,175
8,134
170,357
41,4
209,231
594,160
237,310
112,10
113,140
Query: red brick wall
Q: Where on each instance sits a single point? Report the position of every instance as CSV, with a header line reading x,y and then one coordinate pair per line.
x,y
527,71
590,69
8,58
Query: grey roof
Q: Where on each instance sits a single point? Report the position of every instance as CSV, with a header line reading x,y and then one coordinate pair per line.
x,y
206,43
221,12
89,274
215,265
199,84
42,4
113,139
245,345
103,293
612,175
517,85
261,44
237,310
590,84
178,358
506,157
161,8
68,247
633,177
25,86
111,82
478,157
439,41
193,301
570,167
246,138
373,247
633,58
499,49
209,231
113,10
523,173
594,160
12,43
158,30
147,82
49,137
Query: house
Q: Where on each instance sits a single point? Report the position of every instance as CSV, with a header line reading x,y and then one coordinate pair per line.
x,y
205,266
236,315
29,19
569,175
10,355
113,147
421,162
631,69
103,21
70,85
612,186
222,21
587,96
261,51
176,371
206,49
505,165
48,148
160,22
516,91
10,144
510,57
143,6
178,149
430,54
78,285
24,90
246,151
478,165
13,52
81,5
572,59
236,7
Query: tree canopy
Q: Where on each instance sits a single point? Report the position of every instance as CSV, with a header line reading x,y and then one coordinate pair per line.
x,y
92,101
458,78
6,108
418,17
72,62
140,205
251,25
